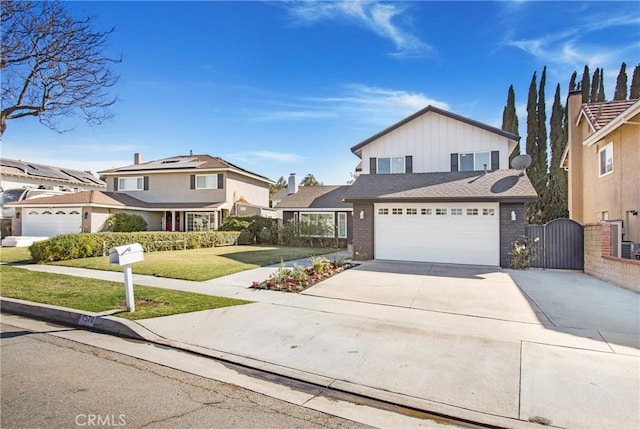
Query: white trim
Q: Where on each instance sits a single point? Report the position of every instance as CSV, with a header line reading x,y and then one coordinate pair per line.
x,y
325,209
215,179
346,225
613,167
185,171
620,120
137,178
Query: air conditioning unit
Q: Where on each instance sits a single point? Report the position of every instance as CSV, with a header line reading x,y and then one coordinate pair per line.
x,y
630,250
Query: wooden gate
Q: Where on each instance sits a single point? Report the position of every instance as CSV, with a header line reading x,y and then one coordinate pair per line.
x,y
559,245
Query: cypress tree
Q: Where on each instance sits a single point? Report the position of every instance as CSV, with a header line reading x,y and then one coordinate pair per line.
x,y
572,82
585,84
533,214
634,91
510,120
595,85
621,84
558,190
541,148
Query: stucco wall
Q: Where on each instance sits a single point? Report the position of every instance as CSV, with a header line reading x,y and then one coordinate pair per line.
x,y
598,263
98,217
244,188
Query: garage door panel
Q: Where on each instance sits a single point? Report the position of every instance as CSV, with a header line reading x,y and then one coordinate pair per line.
x,y
39,223
463,239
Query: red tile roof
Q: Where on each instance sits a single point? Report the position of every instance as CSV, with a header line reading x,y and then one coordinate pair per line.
x,y
600,114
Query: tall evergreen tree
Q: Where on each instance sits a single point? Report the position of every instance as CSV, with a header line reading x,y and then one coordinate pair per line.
x,y
621,84
510,120
601,96
572,82
595,85
536,174
585,84
557,206
634,91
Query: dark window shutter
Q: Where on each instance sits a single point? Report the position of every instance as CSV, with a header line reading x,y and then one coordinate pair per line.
x,y
115,184
146,183
495,160
220,181
454,162
373,165
408,164
193,181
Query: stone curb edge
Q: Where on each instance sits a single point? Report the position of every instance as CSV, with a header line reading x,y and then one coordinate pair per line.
x,y
125,328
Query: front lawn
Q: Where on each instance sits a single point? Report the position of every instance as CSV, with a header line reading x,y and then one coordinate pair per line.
x,y
203,264
13,255
99,295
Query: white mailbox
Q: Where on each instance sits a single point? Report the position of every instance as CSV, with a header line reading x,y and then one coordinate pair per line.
x,y
126,255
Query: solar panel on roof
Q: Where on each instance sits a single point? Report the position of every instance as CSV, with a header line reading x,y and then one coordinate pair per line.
x,y
82,176
15,164
43,171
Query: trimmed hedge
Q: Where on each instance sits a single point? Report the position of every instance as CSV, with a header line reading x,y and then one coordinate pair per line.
x,y
125,222
75,246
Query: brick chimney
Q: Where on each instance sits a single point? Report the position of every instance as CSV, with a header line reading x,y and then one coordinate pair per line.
x,y
137,158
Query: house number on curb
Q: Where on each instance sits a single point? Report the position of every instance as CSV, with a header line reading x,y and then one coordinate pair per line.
x,y
86,320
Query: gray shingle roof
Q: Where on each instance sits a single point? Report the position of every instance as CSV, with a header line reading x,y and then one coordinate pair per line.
x,y
316,197
499,185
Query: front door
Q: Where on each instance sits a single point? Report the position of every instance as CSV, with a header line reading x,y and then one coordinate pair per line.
x,y
169,223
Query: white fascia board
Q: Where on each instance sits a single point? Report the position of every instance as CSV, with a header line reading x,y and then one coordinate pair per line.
x,y
620,120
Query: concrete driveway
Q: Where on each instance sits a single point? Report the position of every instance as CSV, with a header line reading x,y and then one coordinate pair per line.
x,y
481,291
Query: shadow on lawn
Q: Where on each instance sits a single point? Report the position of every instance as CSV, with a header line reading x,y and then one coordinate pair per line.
x,y
271,256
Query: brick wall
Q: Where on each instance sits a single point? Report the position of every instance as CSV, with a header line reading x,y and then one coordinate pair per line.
x,y
510,230
599,263
363,232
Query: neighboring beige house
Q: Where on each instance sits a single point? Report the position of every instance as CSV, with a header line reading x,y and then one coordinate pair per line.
x,y
603,160
181,193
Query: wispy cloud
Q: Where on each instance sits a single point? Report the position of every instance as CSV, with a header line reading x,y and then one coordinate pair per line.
x,y
576,45
101,148
380,18
357,101
259,156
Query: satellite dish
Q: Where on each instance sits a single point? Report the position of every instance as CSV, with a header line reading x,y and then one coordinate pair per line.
x,y
521,162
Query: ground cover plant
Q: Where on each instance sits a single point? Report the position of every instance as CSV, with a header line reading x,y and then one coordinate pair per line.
x,y
299,278
202,264
98,295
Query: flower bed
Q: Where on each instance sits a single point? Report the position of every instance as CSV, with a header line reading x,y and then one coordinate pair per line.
x,y
299,278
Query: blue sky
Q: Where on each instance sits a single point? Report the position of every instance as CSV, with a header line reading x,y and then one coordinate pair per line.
x,y
281,87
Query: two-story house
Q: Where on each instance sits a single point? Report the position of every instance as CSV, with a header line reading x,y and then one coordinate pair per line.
x,y
181,193
603,160
436,187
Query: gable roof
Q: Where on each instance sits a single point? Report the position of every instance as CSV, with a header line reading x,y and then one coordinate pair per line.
x,y
184,163
498,185
109,199
17,168
278,196
316,197
356,149
601,114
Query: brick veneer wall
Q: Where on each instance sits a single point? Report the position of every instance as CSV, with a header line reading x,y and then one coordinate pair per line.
x,y
599,263
510,230
363,232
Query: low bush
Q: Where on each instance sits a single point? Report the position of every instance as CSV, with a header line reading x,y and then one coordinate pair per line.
x,y
124,222
74,246
254,229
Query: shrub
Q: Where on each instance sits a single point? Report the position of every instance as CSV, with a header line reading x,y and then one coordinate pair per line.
x,y
74,246
254,229
124,222
522,252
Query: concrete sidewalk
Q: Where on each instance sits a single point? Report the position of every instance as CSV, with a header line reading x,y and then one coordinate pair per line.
x,y
507,369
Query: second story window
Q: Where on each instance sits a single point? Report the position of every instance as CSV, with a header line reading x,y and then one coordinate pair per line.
x,y
393,165
206,181
477,161
131,183
606,159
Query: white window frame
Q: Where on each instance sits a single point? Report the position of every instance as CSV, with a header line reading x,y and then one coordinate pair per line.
x,y
472,212
456,211
392,170
608,166
211,181
397,211
329,231
475,167
441,212
488,212
124,183
383,211
190,221
342,225
412,211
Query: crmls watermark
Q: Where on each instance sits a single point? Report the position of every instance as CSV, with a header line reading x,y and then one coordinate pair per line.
x,y
101,420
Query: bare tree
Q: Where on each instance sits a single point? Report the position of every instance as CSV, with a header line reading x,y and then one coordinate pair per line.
x,y
53,65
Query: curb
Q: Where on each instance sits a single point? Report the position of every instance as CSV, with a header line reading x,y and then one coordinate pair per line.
x,y
104,323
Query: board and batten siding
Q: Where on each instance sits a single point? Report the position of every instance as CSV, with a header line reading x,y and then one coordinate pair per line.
x,y
431,139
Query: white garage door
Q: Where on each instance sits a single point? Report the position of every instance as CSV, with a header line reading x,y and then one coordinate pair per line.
x,y
457,233
50,222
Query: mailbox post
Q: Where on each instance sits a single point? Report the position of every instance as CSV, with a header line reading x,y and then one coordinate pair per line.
x,y
125,256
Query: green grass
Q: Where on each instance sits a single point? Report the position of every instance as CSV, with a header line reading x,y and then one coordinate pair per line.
x,y
15,255
203,264
99,295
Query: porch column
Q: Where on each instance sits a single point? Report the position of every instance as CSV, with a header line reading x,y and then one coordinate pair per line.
x,y
173,220
215,220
